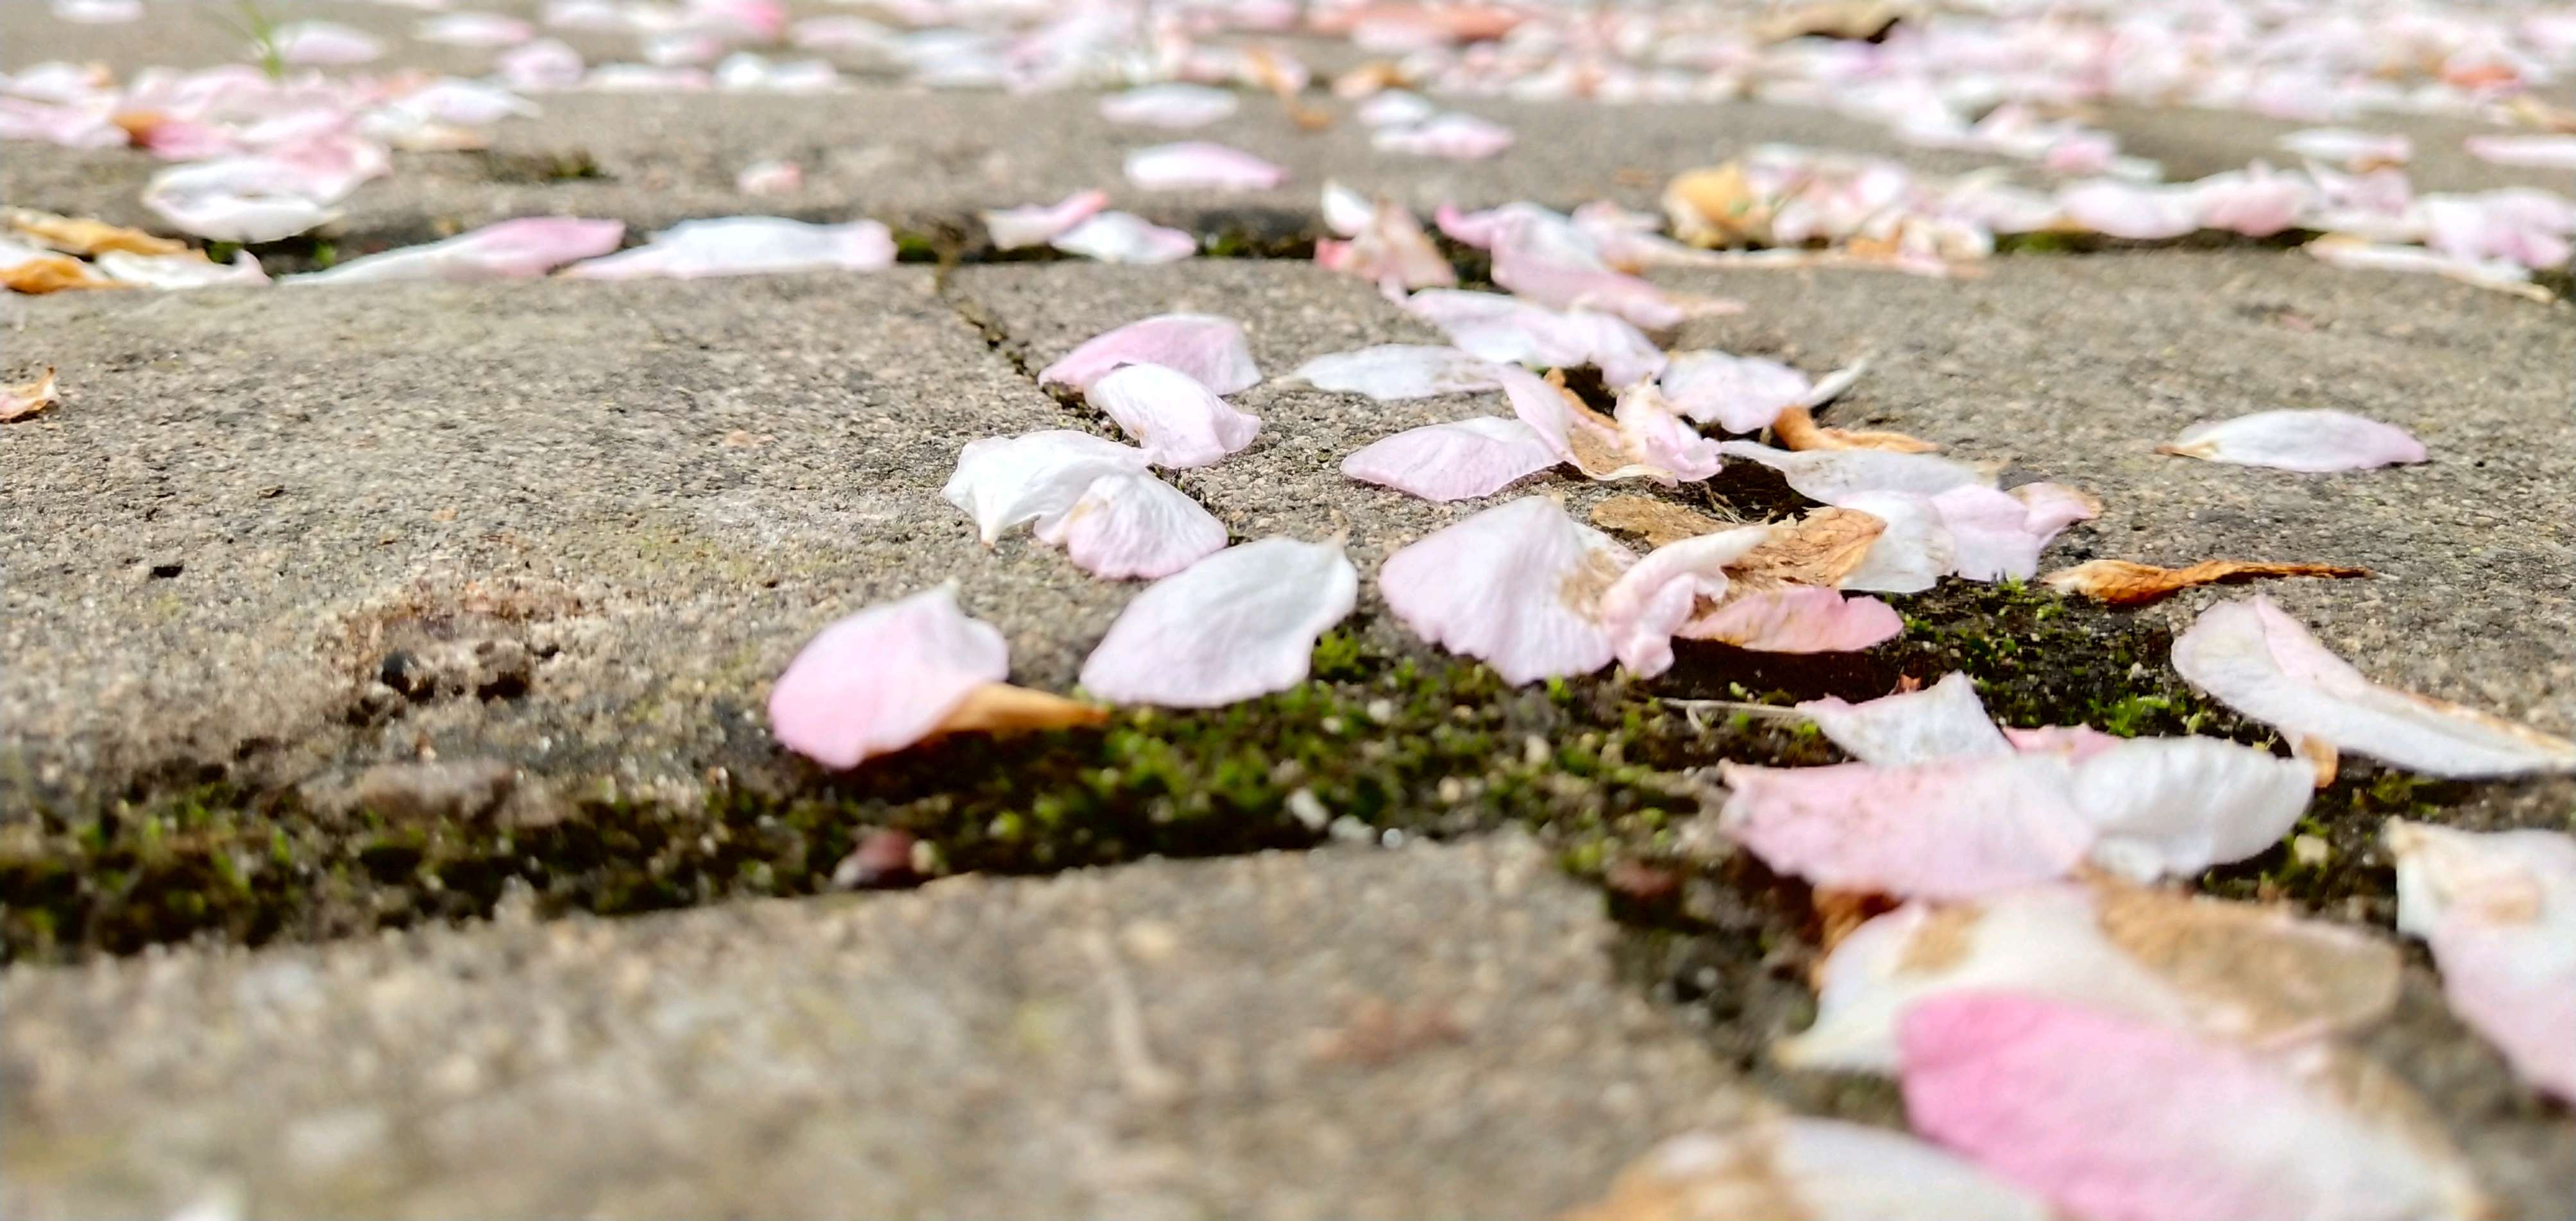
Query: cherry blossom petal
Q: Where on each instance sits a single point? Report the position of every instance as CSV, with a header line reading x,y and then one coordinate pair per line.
x,y
2256,659
1172,104
2498,274
1499,328
173,271
1038,224
509,250
1197,165
884,678
1831,475
1204,346
1180,424
1124,237
1544,260
1387,246
1811,1170
1654,597
2126,210
1038,476
1993,535
1460,460
1517,587
1799,619
1911,554
2110,1118
323,44
1238,624
747,245
1395,108
2539,152
2256,202
490,30
2306,441
1132,524
2077,742
1654,435
2357,150
770,178
1942,720
195,201
2499,912
544,64
1950,829
1394,372
1452,136
1736,393
2175,806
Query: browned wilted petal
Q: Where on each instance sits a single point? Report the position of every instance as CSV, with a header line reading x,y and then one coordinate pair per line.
x,y
1716,207
2122,583
1797,429
82,236
53,274
1819,549
2275,976
1657,521
20,402
1853,19
1003,708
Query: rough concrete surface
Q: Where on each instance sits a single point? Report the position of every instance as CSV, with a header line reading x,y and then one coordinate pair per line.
x,y
577,526
1431,1033
2194,143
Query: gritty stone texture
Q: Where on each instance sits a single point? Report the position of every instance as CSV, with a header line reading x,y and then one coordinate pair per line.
x,y
1425,1033
2075,368
930,160
2194,143
576,527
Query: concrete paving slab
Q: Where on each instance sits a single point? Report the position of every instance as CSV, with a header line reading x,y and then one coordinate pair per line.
x,y
2193,143
2075,368
1425,1033
583,524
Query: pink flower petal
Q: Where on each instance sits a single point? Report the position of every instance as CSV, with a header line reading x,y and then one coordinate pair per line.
x,y
1460,460
1653,433
1180,424
1992,536
1123,237
1394,372
1548,262
2499,912
1238,624
2347,148
474,30
2256,203
1200,166
2113,1119
1499,328
1941,721
882,679
1737,393
1206,347
2125,210
1517,587
1799,619
543,64
1134,525
2540,152
1174,105
747,245
1039,476
2308,441
1949,829
1776,1168
509,250
2256,659
1038,224
1654,597
1453,136
1387,248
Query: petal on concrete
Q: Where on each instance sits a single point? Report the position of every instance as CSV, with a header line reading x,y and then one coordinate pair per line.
x,y
2499,912
884,678
1039,476
2309,441
1178,421
1132,524
1208,348
1459,460
1238,624
1517,587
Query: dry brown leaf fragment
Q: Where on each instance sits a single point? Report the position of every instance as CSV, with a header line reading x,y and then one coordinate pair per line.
x,y
1797,429
1819,549
82,236
1716,206
1003,708
52,274
2276,977
2123,583
2322,757
1657,521
1859,20
22,401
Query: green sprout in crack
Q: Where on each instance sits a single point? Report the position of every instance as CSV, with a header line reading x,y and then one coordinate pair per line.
x,y
255,23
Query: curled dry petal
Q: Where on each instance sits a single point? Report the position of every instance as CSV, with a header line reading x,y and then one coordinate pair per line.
x,y
1941,721
2499,912
1196,165
1003,708
2122,583
1208,348
1238,624
1038,224
1797,429
884,678
25,269
1131,524
1517,587
1178,421
509,250
2256,659
1778,1168
2308,441
1656,595
1039,476
1394,372
1736,393
1821,548
1659,522
2109,1117
82,236
1461,460
747,245
1387,247
175,271
1799,619
1124,237
27,399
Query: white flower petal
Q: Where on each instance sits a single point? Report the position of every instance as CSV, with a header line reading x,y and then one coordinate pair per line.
x,y
1238,624
1940,721
747,245
1134,525
180,270
1833,475
1038,224
509,250
1737,393
1516,586
1499,328
1178,421
1393,372
1460,460
1654,597
1124,237
1003,481
1172,104
2499,912
2174,806
1197,165
2308,441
